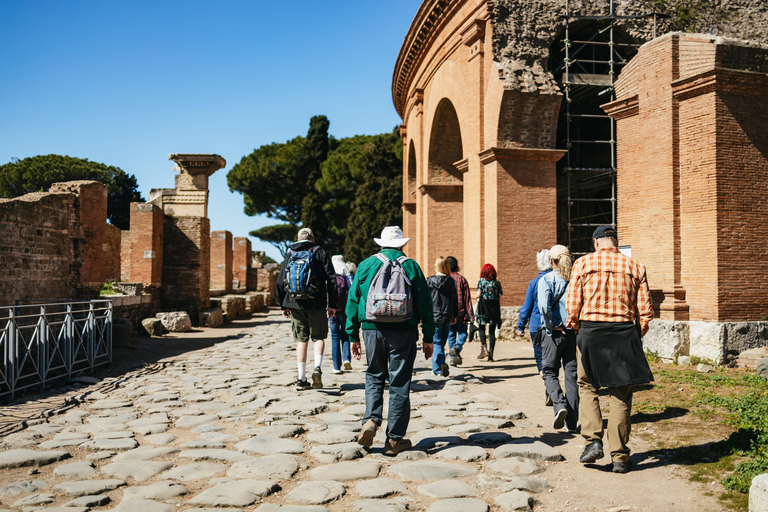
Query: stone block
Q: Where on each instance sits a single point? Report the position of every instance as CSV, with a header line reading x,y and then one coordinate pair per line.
x,y
176,321
668,339
758,493
128,288
705,341
211,317
153,326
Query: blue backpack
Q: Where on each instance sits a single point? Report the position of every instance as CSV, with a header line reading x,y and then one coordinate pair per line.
x,y
300,275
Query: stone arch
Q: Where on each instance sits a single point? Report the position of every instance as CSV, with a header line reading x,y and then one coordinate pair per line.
x,y
445,146
412,171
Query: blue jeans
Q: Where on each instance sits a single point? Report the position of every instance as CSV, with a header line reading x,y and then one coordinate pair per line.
x,y
438,346
339,339
536,351
457,335
389,353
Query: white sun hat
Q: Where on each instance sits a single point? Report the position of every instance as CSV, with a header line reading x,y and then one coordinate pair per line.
x,y
392,236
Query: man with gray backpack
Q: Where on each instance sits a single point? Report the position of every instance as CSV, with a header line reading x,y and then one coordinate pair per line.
x,y
306,292
388,299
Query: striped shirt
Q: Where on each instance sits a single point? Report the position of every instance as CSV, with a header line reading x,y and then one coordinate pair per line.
x,y
607,286
465,300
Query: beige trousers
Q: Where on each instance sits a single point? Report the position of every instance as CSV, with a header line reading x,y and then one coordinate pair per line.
x,y
619,421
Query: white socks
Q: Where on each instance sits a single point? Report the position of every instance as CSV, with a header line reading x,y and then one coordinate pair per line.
x,y
318,360
302,371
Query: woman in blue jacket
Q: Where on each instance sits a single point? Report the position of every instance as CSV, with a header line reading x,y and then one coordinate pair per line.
x,y
529,312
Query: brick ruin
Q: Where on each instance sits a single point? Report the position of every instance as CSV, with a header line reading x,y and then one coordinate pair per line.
x,y
60,247
499,128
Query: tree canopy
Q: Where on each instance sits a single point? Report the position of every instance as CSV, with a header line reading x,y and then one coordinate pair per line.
x,y
38,173
345,190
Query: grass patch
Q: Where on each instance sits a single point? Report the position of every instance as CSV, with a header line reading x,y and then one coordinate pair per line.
x,y
106,289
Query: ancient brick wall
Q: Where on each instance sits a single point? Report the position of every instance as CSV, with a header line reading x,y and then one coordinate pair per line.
x,y
241,263
125,255
693,174
186,264
147,239
221,262
113,239
50,241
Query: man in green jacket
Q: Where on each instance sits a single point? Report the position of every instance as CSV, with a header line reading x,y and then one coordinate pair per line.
x,y
390,348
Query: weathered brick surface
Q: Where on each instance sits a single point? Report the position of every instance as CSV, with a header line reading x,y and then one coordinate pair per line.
x,y
147,244
125,255
50,243
241,263
113,237
186,264
693,174
221,262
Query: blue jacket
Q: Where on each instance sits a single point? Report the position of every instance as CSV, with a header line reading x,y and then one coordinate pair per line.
x,y
530,308
552,287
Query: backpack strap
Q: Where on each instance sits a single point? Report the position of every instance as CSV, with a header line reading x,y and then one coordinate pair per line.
x,y
381,257
402,259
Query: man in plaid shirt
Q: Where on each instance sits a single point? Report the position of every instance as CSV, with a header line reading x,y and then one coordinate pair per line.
x,y
457,334
609,305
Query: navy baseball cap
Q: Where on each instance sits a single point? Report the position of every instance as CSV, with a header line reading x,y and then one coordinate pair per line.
x,y
604,231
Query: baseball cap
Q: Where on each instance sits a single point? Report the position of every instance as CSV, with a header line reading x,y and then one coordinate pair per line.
x,y
604,231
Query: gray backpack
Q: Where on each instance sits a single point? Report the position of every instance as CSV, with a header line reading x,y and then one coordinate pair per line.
x,y
389,296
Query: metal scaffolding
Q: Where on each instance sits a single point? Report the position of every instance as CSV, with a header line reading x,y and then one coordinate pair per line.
x,y
592,53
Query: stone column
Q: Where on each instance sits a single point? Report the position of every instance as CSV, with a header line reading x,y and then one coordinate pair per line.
x,y
241,264
146,244
221,263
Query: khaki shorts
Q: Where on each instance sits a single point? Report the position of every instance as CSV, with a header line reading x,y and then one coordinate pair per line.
x,y
309,323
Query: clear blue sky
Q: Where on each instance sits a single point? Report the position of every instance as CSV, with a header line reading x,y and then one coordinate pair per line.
x,y
125,83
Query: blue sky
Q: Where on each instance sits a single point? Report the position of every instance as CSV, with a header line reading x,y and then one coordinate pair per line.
x,y
127,83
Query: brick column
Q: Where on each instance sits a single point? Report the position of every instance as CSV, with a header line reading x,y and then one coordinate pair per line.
x,y
146,244
241,264
221,262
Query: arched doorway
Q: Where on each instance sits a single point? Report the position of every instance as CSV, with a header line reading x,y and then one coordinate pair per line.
x,y
443,192
411,184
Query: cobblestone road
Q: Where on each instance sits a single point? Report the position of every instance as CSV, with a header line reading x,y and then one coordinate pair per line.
x,y
223,427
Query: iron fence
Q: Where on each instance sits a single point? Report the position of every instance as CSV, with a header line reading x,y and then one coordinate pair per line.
x,y
43,342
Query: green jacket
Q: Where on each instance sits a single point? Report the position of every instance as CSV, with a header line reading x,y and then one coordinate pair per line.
x,y
422,299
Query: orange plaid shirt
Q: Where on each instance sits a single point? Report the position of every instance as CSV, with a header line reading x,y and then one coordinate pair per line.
x,y
607,286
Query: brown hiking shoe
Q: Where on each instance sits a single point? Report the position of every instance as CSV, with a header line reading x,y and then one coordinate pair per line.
x,y
394,446
367,434
483,352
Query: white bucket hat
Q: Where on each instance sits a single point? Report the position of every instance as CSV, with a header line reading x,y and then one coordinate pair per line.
x,y
392,236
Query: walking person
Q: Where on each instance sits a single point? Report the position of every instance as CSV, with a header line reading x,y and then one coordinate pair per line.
x,y
306,291
488,310
529,311
457,334
609,305
445,306
388,299
558,343
340,354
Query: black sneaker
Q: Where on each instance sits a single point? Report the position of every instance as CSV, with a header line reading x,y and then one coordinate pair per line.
x,y
317,378
592,452
302,385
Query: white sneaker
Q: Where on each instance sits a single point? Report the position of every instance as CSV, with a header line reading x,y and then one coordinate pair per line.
x,y
337,372
559,421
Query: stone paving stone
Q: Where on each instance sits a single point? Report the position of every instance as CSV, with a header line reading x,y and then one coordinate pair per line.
x,y
493,422
195,421
34,499
88,487
218,455
100,455
23,457
515,500
268,445
109,404
514,466
430,470
380,488
507,414
528,448
147,453
280,466
462,453
162,490
75,470
435,437
448,489
456,504
487,397
316,493
332,437
195,471
467,428
55,509
282,431
393,505
443,421
337,452
344,471
160,439
110,444
208,428
237,493
525,483
89,501
137,469
152,419
296,409
116,434
25,487
490,438
218,437
142,505
194,445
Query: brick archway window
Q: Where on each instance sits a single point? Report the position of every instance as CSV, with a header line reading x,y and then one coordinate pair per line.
x,y
445,148
412,169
